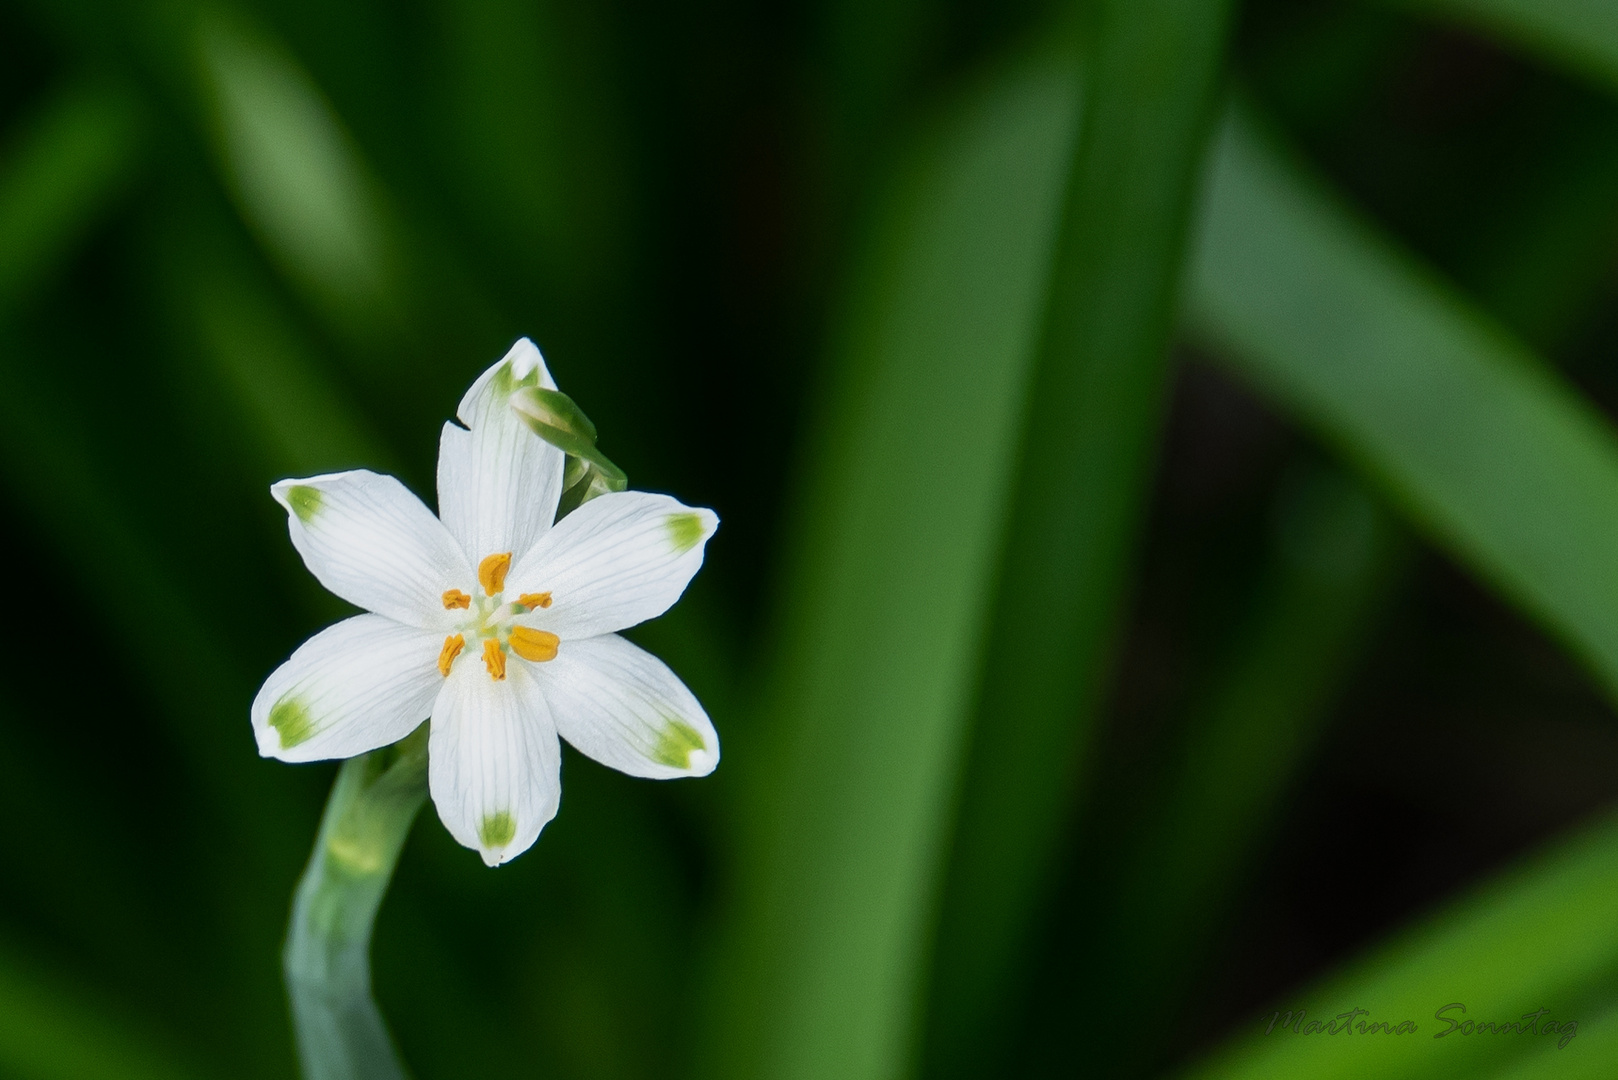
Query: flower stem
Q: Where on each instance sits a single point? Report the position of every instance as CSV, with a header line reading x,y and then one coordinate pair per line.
x,y
339,1030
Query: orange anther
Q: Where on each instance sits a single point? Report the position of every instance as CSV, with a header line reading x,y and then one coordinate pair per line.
x,y
446,656
494,659
492,573
536,645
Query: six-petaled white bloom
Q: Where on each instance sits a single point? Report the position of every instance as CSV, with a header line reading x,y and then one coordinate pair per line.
x,y
497,625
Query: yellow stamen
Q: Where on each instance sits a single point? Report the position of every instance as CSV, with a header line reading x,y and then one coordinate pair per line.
x,y
535,599
536,645
492,573
455,598
446,656
493,658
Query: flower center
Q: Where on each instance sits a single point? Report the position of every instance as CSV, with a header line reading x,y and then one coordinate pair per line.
x,y
489,620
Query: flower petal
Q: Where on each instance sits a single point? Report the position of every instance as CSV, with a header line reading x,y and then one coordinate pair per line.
x,y
493,762
618,560
359,684
372,542
498,482
621,705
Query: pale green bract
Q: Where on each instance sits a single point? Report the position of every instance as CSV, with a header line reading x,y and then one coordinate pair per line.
x,y
494,620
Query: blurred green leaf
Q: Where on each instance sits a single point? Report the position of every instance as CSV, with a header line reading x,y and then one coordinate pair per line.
x,y
1500,463
1489,452
49,1031
1581,35
1246,739
79,144
296,173
1544,935
58,174
529,101
1550,1061
376,268
283,405
1332,563
162,633
874,52
165,636
890,564
1093,416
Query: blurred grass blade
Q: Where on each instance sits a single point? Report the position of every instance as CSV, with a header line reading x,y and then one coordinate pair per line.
x,y
49,1032
282,401
199,685
891,560
1551,1061
1490,453
1544,935
1093,415
299,420
874,54
1247,739
1332,564
86,145
374,269
78,144
1499,462
1580,35
58,173
1329,570
194,683
296,174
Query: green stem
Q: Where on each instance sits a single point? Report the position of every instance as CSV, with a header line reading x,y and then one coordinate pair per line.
x,y
339,1030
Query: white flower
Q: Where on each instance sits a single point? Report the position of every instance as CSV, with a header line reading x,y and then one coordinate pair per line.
x,y
495,624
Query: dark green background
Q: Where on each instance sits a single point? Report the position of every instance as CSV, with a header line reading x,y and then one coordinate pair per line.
x,y
1346,665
